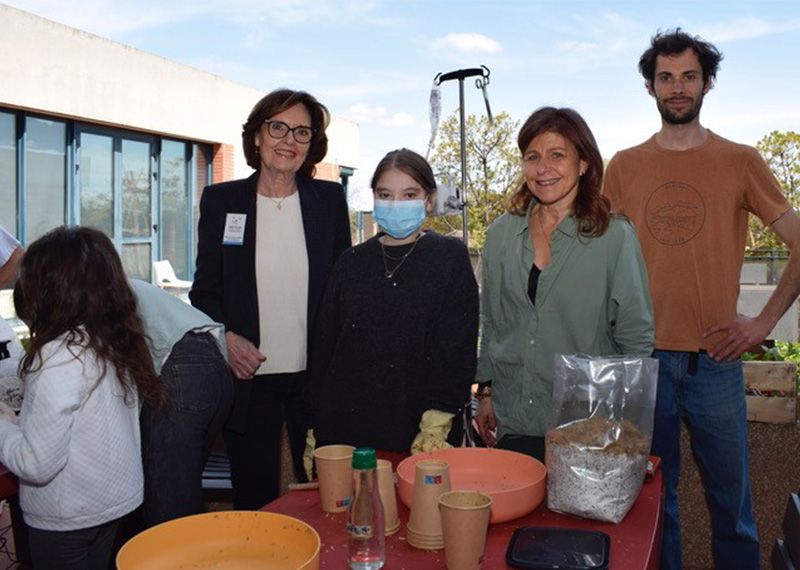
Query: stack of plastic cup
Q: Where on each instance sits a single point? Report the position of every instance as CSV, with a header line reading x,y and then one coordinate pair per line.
x,y
431,479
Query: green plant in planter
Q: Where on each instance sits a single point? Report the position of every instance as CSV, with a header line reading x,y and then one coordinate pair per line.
x,y
783,351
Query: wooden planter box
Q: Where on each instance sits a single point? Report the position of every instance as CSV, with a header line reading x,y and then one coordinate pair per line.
x,y
771,391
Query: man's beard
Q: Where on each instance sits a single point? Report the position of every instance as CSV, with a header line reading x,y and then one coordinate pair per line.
x,y
686,116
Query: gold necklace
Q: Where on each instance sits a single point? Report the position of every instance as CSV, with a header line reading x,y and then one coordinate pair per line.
x,y
277,203
389,274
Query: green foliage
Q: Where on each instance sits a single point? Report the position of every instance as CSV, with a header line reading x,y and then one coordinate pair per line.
x,y
493,170
783,351
781,151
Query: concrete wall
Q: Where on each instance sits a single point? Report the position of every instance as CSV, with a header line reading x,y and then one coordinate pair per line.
x,y
752,299
54,69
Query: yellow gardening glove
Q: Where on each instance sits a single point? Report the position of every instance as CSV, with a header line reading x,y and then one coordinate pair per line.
x,y
308,454
433,430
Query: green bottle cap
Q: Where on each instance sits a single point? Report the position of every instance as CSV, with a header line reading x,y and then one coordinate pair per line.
x,y
364,458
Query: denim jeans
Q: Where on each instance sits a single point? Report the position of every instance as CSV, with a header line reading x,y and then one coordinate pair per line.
x,y
176,441
85,549
709,395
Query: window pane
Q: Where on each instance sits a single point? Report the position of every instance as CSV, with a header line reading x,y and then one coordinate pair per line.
x,y
137,218
201,157
175,213
45,184
136,260
96,177
8,172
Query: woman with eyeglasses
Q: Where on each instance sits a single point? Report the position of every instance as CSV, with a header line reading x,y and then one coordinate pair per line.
x,y
266,245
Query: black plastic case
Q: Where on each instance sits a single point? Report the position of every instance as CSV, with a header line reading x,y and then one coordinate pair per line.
x,y
549,548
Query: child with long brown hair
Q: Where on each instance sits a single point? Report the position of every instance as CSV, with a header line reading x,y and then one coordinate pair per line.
x,y
76,448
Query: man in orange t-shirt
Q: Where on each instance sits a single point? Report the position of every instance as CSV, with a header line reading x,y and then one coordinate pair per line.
x,y
689,193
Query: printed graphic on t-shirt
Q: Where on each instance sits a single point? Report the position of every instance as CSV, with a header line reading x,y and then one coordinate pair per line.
x,y
675,212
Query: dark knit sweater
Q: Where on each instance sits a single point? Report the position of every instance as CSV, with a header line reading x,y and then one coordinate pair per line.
x,y
386,350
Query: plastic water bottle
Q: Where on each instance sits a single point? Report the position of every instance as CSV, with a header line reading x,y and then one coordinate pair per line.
x,y
365,524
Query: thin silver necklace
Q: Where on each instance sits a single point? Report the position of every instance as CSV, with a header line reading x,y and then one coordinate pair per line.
x,y
389,274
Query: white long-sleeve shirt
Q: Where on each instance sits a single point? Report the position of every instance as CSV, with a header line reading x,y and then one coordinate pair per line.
x,y
76,449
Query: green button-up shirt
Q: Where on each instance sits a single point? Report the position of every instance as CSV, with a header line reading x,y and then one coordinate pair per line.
x,y
592,298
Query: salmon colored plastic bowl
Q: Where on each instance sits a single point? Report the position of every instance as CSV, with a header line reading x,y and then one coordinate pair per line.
x,y
516,482
227,540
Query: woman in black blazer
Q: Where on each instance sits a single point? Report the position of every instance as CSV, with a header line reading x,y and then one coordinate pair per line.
x,y
266,246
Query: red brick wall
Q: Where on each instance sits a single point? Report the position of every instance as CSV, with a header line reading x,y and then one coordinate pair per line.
x,y
223,162
327,171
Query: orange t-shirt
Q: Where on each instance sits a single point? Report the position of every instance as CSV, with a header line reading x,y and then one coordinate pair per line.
x,y
690,210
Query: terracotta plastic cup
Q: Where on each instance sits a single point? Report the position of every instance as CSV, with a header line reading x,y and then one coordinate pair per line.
x,y
465,519
431,479
388,494
335,474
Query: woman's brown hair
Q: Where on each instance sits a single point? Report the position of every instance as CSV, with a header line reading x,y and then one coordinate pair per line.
x,y
276,102
590,208
72,283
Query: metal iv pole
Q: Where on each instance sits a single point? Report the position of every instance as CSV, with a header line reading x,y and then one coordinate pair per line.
x,y
480,83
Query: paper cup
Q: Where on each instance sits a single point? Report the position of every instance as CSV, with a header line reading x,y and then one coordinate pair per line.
x,y
335,472
465,519
388,494
431,479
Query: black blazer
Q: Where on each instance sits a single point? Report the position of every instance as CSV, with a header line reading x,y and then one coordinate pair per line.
x,y
224,284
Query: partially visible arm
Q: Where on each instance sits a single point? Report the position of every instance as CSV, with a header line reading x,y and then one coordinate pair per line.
x,y
484,417
342,239
744,332
38,449
453,344
206,293
633,328
9,269
326,333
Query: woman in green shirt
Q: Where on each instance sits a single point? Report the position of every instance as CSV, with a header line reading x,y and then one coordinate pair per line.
x,y
561,275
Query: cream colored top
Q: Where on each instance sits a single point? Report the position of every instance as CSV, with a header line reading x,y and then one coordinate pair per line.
x,y
282,284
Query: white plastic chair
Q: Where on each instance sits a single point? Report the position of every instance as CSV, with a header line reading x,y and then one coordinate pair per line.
x,y
166,278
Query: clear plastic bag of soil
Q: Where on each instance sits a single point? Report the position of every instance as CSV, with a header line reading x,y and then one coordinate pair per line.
x,y
599,434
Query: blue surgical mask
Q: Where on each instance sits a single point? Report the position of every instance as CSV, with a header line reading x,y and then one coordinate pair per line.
x,y
399,218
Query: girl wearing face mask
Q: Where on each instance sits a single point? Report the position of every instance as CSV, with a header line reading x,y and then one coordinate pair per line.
x,y
394,352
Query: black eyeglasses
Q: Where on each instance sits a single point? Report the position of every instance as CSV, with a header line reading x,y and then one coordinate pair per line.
x,y
279,130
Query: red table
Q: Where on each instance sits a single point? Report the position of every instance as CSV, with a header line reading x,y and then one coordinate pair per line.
x,y
635,542
8,483
9,490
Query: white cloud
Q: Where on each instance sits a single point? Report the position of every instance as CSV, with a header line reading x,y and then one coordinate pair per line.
x,y
467,43
745,28
576,47
397,120
363,113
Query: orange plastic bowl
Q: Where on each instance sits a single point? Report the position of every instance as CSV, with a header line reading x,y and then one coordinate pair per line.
x,y
516,482
240,540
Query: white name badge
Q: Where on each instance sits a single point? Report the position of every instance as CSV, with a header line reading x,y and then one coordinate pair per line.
x,y
234,229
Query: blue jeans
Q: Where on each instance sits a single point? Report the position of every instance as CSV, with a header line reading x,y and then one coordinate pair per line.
x,y
709,395
176,441
84,549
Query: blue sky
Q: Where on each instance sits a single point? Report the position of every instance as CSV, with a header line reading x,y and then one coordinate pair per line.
x,y
373,61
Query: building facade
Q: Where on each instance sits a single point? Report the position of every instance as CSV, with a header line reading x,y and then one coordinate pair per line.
x,y
95,132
